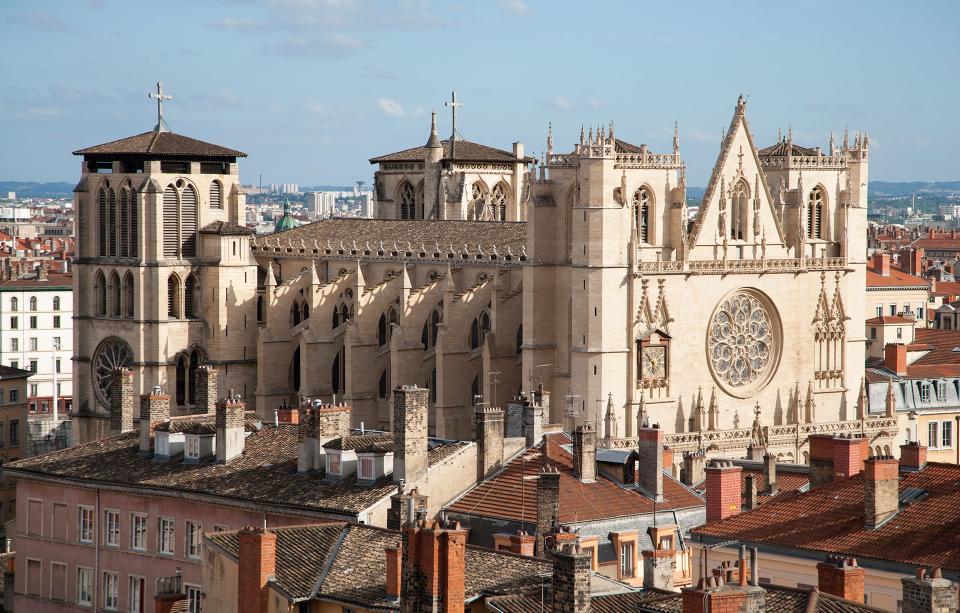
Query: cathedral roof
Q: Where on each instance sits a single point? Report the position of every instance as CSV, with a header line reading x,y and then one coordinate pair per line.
x,y
226,228
467,151
488,234
161,144
781,148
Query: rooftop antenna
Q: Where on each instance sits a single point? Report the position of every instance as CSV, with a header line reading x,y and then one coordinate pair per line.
x,y
160,96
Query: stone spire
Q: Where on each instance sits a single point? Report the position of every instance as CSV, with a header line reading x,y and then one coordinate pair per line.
x,y
863,406
641,411
676,138
714,410
434,140
891,404
610,419
810,406
550,138
699,413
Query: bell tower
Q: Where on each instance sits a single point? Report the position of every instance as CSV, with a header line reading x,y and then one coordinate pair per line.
x,y
163,279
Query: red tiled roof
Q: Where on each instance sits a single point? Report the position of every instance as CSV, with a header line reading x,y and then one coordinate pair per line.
x,y
938,244
830,519
52,280
947,288
154,143
890,319
941,345
896,278
786,482
512,493
465,151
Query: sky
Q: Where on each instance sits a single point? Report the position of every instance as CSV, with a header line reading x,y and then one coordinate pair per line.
x,y
311,89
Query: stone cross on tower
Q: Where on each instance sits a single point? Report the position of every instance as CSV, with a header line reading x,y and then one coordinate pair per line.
x,y
160,96
453,104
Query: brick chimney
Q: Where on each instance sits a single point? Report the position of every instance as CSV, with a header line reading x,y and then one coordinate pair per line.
x,y
121,401
840,576
548,505
821,459
650,461
409,433
571,580
394,571
522,543
913,457
848,456
881,491
929,592
714,595
659,562
881,264
288,414
258,561
694,463
532,423
230,428
489,425
207,377
770,474
750,496
154,410
434,564
895,358
585,453
316,427
723,490
404,507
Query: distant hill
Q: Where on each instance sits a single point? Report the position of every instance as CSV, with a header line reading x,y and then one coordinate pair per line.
x,y
32,189
885,189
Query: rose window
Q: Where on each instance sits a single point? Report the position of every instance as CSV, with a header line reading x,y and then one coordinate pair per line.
x,y
112,354
740,341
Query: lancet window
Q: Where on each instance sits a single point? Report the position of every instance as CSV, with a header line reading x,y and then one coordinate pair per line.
x,y
815,213
641,213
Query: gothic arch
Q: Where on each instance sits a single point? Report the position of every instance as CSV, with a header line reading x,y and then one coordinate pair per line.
x,y
216,194
114,221
304,311
406,200
100,290
478,199
499,201
188,221
128,295
815,208
173,296
191,297
644,215
103,220
295,318
295,370
171,222
573,196
479,328
420,213
431,327
739,209
115,295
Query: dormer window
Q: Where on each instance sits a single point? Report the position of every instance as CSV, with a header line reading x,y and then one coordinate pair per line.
x,y
193,448
366,468
333,462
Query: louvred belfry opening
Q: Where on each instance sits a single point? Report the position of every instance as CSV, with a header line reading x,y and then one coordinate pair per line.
x,y
188,222
170,222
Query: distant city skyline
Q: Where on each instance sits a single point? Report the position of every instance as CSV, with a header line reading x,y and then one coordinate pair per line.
x,y
311,89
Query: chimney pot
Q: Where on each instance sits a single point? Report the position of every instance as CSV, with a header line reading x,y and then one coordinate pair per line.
x,y
895,358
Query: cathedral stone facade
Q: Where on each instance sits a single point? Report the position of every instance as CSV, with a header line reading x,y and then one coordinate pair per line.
x,y
484,275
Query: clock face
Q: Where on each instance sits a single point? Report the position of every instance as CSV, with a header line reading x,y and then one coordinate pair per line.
x,y
654,363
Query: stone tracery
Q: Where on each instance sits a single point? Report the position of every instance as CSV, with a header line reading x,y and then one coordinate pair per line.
x,y
741,343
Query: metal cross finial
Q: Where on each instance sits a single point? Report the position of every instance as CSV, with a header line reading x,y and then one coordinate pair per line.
x,y
453,104
160,96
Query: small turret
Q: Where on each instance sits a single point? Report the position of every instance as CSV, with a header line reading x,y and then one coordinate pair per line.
x,y
434,140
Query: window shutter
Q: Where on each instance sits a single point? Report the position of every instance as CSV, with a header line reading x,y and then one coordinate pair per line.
x,y
125,223
170,221
102,222
215,195
188,222
114,228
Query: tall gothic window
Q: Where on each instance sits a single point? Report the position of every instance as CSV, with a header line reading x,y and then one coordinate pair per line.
x,y
815,213
738,210
114,222
173,297
125,222
171,222
478,195
498,201
408,201
216,195
478,330
134,225
181,383
128,295
103,223
641,214
430,327
100,288
188,222
190,296
115,295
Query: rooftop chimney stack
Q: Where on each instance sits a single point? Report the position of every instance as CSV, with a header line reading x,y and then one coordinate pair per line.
x,y
881,495
489,428
724,497
929,592
522,543
694,463
585,453
841,577
895,358
881,264
913,457
230,428
121,401
571,580
848,456
394,571
821,459
258,556
207,389
751,496
770,474
650,460
532,423
154,410
317,426
409,433
548,505
434,566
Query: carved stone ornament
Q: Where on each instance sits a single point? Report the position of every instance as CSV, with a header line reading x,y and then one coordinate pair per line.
x,y
743,342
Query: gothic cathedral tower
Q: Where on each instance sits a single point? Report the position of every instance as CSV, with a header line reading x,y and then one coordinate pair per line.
x,y
164,278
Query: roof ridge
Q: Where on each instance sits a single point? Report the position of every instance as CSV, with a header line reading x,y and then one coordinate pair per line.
x,y
330,559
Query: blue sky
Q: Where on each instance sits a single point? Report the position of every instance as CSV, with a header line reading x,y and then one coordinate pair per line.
x,y
312,88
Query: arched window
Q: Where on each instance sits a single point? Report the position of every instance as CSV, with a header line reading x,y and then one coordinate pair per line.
x,y
738,210
641,213
304,311
295,314
478,195
133,224
127,295
171,222
195,360
259,308
216,195
14,304
188,222
336,318
382,330
475,396
100,288
336,371
114,222
498,201
181,383
124,222
344,313
408,201
173,297
33,303
115,295
815,213
519,340
383,386
103,223
56,303
295,370
431,327
190,297
474,334
433,385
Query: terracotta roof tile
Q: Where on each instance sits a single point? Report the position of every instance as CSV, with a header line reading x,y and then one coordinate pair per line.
x,y
467,151
890,319
896,278
830,519
499,495
161,144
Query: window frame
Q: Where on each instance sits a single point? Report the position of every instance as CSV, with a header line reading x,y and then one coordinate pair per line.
x,y
111,577
86,515
139,526
84,586
111,530
167,537
193,540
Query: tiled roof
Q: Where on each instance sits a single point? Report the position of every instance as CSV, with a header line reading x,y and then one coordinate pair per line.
x,y
896,278
830,519
466,152
787,481
512,493
226,228
9,372
537,601
266,472
890,319
372,442
346,563
781,148
940,346
161,144
53,280
779,599
938,244
947,288
417,232
204,423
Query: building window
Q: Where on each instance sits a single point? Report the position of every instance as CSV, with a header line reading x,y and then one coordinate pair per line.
x,y
33,303
738,210
14,393
56,303
14,432
641,214
925,391
333,463
56,321
879,310
33,343
167,534
56,343
216,191
933,438
86,524
408,201
626,560
15,322
193,598
920,310
366,468
946,434
111,590
136,594
33,322
941,391
128,295
899,333
14,344
873,333
190,296
33,390
815,213
85,586
14,304
111,528
194,536
893,310
138,531
173,297
33,366
498,201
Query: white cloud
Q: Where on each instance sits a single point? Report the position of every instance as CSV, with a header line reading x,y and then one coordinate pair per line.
x,y
518,7
391,108
561,103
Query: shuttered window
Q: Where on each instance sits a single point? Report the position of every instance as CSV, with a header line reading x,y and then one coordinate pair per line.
x,y
102,222
216,192
125,223
188,222
114,223
134,226
170,223
190,296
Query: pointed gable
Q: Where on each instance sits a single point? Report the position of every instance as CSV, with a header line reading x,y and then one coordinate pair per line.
x,y
738,169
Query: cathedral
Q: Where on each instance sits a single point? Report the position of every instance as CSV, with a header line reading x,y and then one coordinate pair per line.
x,y
580,280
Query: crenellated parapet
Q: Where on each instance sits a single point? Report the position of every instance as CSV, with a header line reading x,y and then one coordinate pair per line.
x,y
389,251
